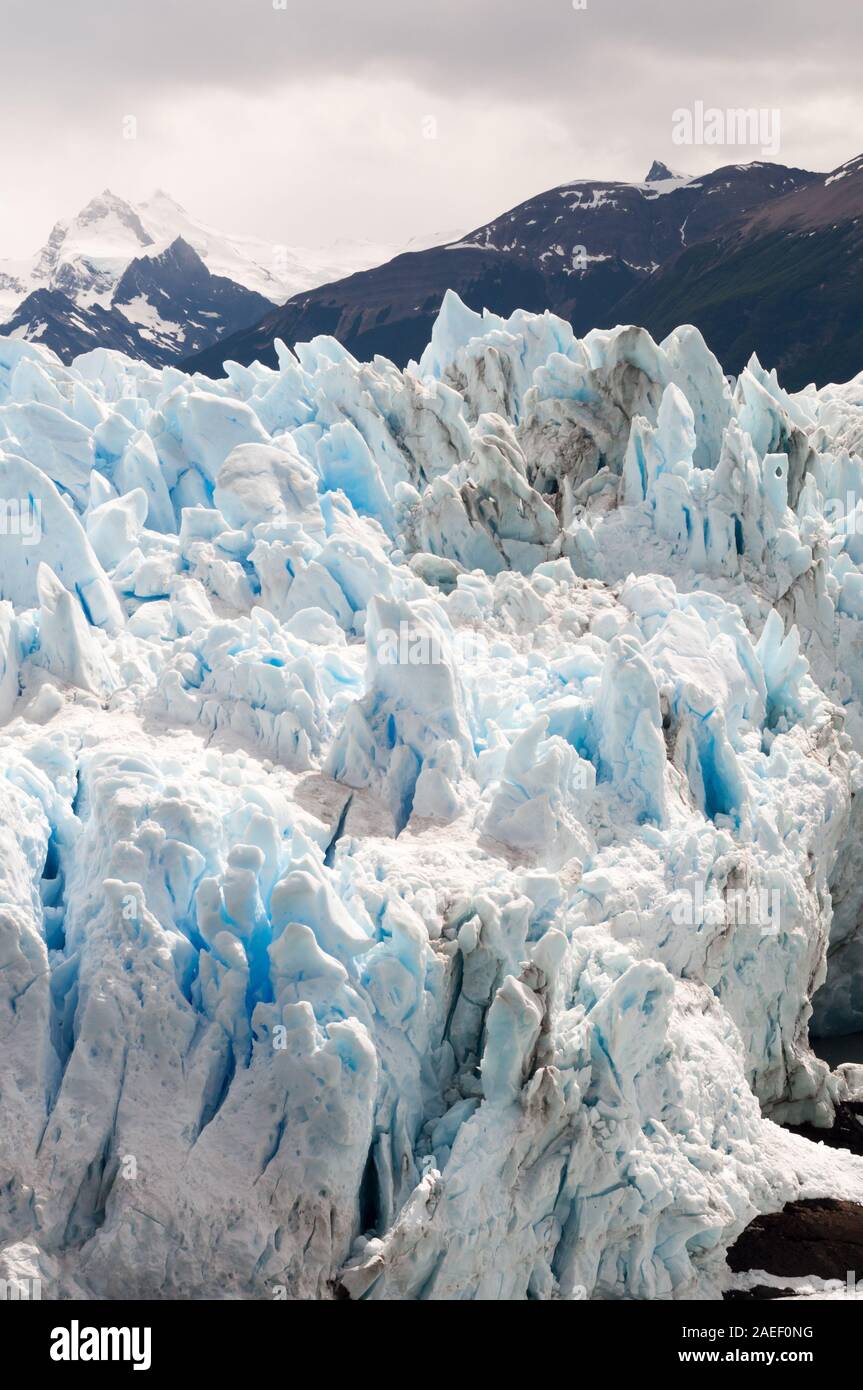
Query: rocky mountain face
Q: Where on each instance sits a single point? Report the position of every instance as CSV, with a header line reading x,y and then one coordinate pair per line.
x,y
578,249
162,308
783,280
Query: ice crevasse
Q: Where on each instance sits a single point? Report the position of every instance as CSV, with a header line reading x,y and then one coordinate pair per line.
x,y
428,815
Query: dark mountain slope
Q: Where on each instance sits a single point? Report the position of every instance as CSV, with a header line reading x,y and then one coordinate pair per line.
x,y
577,249
388,309
785,282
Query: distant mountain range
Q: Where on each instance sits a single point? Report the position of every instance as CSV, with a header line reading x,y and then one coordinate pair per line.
x,y
151,281
759,256
725,251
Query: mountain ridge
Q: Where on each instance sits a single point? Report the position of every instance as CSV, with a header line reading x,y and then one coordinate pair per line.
x,y
577,249
784,283
177,279
75,276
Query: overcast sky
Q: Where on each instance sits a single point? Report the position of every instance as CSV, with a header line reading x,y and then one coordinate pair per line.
x,y
311,123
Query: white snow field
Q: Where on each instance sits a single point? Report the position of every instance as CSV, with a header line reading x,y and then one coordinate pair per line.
x,y
426,802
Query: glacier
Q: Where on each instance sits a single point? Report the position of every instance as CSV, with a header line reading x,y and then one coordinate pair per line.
x,y
429,815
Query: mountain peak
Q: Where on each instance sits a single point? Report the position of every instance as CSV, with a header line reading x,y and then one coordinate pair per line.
x,y
101,200
660,172
107,204
107,199
162,199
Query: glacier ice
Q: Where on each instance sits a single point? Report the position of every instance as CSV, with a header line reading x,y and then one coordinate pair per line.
x,y
429,815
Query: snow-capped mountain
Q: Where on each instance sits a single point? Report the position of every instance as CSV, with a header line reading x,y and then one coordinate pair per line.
x,y
70,296
430,819
163,306
577,249
86,256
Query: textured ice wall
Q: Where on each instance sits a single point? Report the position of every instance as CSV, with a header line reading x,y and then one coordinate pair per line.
x,y
426,799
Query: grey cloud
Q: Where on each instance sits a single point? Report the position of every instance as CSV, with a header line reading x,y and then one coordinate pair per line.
x,y
527,93
95,46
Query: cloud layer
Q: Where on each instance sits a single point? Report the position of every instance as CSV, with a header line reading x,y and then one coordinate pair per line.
x,y
312,122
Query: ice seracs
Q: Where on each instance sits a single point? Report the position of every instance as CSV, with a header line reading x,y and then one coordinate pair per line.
x,y
428,815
